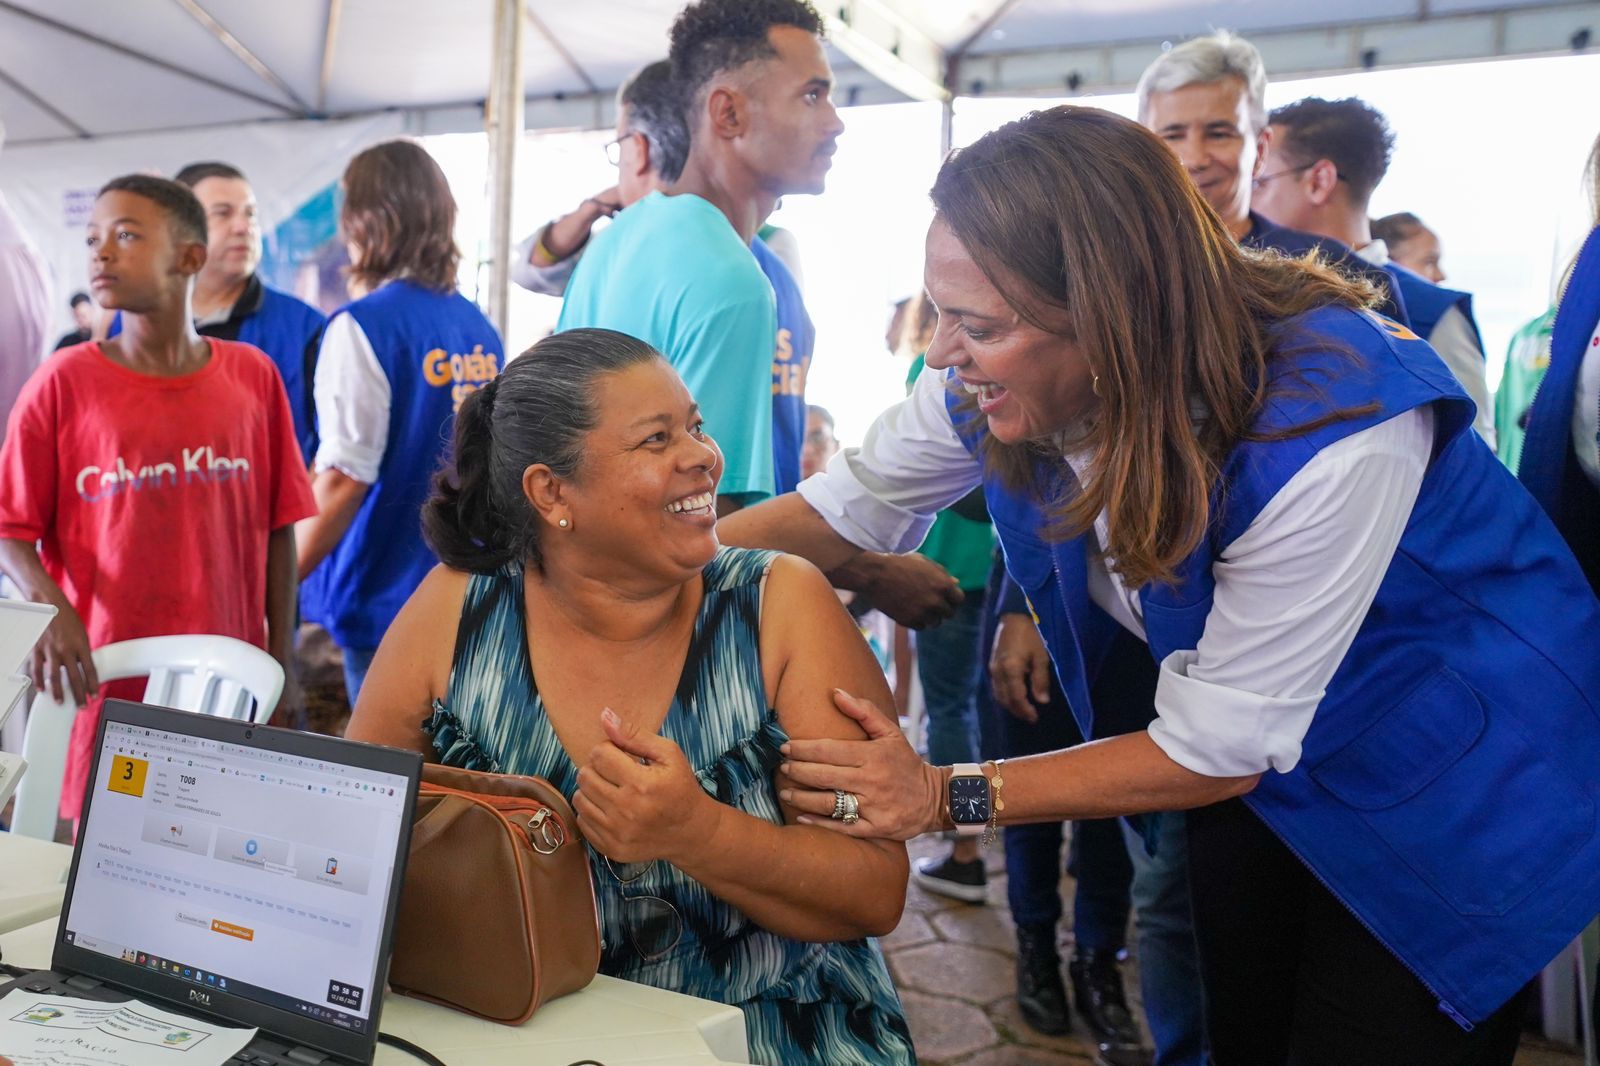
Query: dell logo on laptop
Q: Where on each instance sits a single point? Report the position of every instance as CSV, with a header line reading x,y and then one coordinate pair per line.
x,y
197,996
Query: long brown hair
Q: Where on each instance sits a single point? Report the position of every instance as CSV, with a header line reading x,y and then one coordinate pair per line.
x,y
400,216
1080,212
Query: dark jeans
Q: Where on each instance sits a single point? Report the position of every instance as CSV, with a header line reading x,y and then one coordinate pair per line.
x,y
1108,856
1097,857
357,661
950,668
1292,978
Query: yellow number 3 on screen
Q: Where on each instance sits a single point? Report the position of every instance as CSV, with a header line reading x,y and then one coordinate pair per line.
x,y
127,775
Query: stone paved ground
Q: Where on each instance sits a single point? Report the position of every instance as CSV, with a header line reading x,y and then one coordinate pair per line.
x,y
953,963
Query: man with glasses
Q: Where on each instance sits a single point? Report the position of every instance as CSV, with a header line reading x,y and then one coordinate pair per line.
x,y
1327,157
1206,99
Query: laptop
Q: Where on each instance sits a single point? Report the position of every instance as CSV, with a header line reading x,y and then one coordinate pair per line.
x,y
246,874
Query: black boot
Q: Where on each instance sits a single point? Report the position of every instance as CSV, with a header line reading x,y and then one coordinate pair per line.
x,y
1040,993
1101,1001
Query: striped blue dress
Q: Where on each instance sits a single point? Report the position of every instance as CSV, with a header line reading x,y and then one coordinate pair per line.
x,y
829,1004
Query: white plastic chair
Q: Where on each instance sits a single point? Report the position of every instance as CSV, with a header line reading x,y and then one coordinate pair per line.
x,y
213,675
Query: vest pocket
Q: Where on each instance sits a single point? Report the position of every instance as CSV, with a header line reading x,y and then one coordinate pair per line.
x,y
1459,794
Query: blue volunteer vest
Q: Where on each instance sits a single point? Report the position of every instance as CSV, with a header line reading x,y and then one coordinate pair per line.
x,y
434,348
1426,303
1446,791
1265,233
288,329
791,360
1549,467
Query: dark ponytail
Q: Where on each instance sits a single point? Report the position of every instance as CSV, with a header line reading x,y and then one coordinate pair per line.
x,y
539,410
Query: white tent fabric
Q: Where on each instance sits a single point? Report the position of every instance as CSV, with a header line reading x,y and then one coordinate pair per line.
x,y
289,90
51,187
95,68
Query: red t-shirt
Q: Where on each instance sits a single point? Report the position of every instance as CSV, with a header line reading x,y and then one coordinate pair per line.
x,y
153,497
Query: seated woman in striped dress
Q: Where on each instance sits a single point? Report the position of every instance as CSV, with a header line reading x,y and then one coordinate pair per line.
x,y
586,627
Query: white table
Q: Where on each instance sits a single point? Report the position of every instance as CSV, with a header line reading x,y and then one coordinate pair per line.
x,y
33,875
612,1021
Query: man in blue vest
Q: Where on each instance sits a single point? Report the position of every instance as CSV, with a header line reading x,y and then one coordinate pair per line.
x,y
232,303
1327,157
1206,99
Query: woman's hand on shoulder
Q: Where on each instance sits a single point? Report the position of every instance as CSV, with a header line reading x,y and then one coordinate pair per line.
x,y
638,798
829,700
899,796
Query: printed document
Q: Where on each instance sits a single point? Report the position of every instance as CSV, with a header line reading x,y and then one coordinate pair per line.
x,y
44,1030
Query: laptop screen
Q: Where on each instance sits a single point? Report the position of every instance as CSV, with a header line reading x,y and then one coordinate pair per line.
x,y
240,869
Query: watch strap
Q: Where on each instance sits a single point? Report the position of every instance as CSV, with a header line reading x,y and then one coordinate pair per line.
x,y
965,769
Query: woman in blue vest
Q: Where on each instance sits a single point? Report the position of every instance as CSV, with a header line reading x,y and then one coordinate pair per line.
x,y
1560,461
393,368
1376,655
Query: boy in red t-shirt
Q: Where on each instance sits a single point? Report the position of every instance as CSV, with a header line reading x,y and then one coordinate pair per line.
x,y
157,472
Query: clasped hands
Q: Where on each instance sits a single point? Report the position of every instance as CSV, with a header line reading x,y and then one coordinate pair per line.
x,y
638,798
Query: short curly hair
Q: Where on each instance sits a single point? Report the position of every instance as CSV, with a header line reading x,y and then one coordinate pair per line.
x,y
1350,133
712,36
185,217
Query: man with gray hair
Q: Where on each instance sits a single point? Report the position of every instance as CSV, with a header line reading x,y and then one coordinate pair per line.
x,y
1207,99
24,306
648,151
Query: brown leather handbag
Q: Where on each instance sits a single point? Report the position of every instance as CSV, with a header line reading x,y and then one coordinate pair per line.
x,y
497,914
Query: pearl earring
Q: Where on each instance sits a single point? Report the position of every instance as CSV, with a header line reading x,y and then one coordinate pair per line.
x,y
563,523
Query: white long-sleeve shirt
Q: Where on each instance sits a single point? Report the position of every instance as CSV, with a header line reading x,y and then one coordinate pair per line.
x,y
1291,591
353,396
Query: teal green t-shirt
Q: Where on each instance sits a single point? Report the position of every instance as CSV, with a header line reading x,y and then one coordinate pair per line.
x,y
1527,358
672,271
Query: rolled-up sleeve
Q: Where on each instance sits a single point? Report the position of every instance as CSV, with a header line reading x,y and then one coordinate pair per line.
x,y
547,279
352,395
884,495
1291,593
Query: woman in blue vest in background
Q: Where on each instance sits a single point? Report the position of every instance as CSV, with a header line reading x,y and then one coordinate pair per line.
x,y
393,369
1377,657
1560,461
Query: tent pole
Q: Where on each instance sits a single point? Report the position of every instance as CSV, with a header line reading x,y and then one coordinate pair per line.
x,y
503,120
947,107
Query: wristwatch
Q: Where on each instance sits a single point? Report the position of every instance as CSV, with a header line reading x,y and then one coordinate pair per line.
x,y
967,798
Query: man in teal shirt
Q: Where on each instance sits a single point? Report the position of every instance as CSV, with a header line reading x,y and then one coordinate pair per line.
x,y
675,270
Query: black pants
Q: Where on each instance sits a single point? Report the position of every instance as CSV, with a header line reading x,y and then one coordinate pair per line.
x,y
1293,979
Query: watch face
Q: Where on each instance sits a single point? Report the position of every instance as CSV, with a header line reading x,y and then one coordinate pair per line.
x,y
969,800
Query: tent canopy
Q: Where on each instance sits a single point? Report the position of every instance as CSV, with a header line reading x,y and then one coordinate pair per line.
x,y
77,69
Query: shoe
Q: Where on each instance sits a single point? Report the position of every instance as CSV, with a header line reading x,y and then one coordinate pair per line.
x,y
1041,996
1102,1003
967,881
